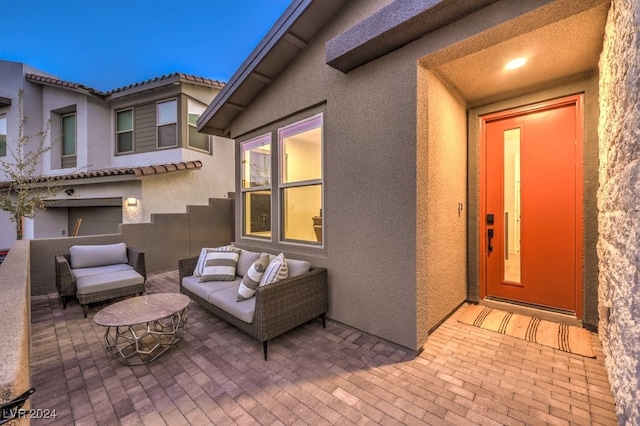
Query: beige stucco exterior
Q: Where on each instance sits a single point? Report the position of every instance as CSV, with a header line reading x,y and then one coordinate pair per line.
x,y
441,198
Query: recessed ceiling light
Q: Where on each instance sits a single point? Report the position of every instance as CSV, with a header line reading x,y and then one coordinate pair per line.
x,y
515,63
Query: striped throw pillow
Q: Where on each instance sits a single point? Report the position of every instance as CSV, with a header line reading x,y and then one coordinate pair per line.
x,y
203,254
220,266
277,270
251,280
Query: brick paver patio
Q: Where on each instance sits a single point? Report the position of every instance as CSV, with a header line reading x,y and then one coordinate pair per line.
x,y
333,376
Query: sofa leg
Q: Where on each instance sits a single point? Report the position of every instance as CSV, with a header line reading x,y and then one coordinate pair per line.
x,y
324,320
264,348
85,309
64,302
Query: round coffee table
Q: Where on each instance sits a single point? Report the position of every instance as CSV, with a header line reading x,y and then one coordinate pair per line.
x,y
142,328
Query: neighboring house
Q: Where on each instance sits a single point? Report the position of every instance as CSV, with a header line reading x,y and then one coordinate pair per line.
x,y
387,141
124,154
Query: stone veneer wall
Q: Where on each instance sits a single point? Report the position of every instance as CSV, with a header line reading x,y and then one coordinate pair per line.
x,y
619,206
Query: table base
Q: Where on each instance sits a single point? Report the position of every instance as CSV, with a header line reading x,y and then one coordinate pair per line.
x,y
142,343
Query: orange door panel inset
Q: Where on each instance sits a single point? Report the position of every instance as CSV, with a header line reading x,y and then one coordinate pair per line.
x,y
531,205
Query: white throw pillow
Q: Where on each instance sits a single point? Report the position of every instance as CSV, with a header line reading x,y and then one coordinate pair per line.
x,y
220,266
277,270
251,280
203,254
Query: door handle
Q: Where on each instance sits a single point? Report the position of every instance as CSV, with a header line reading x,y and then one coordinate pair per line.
x,y
489,238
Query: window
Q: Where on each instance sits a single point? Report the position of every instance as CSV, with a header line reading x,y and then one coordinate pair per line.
x,y
167,119
256,186
301,180
124,131
196,139
68,136
3,135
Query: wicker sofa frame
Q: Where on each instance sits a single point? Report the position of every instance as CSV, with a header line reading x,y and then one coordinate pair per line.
x,y
66,281
280,307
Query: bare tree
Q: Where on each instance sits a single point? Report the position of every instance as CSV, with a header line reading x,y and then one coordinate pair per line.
x,y
26,192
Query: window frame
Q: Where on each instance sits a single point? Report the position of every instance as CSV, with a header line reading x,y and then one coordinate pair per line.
x,y
244,191
175,122
75,134
190,126
118,132
300,126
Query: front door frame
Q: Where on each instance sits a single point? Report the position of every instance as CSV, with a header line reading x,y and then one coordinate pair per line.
x,y
587,84
578,101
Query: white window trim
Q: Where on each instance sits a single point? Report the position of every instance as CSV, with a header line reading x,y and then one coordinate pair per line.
x,y
167,124
133,124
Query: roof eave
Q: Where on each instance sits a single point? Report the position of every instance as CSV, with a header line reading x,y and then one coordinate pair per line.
x,y
280,28
294,29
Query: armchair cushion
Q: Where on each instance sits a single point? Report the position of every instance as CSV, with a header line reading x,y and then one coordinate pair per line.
x,y
100,270
87,256
98,283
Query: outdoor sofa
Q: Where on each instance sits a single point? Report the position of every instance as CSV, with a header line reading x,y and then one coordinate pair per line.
x,y
95,273
275,308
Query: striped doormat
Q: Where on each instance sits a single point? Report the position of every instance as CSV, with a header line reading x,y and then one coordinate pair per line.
x,y
564,337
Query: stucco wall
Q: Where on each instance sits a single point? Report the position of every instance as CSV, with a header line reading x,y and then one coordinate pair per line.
x,y
370,178
618,203
441,197
192,187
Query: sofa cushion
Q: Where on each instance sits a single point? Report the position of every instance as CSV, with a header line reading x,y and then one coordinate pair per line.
x,y
220,266
277,270
203,289
96,283
251,279
297,267
245,261
203,254
87,256
226,299
100,270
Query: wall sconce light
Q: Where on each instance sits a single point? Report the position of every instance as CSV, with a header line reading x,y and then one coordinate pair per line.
x,y
69,191
132,201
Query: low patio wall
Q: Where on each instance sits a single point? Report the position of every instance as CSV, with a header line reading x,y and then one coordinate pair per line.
x,y
15,324
167,238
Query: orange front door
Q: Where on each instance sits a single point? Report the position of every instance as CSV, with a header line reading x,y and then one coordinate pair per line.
x,y
532,205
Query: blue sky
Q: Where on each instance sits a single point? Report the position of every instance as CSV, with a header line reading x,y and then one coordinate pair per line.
x,y
106,44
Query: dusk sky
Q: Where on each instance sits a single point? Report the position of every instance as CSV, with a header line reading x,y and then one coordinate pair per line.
x,y
109,44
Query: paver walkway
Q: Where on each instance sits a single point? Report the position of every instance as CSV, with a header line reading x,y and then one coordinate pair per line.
x,y
314,376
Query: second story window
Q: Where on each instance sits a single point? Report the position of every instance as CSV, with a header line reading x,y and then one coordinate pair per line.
x,y
167,119
124,131
196,140
3,135
68,136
